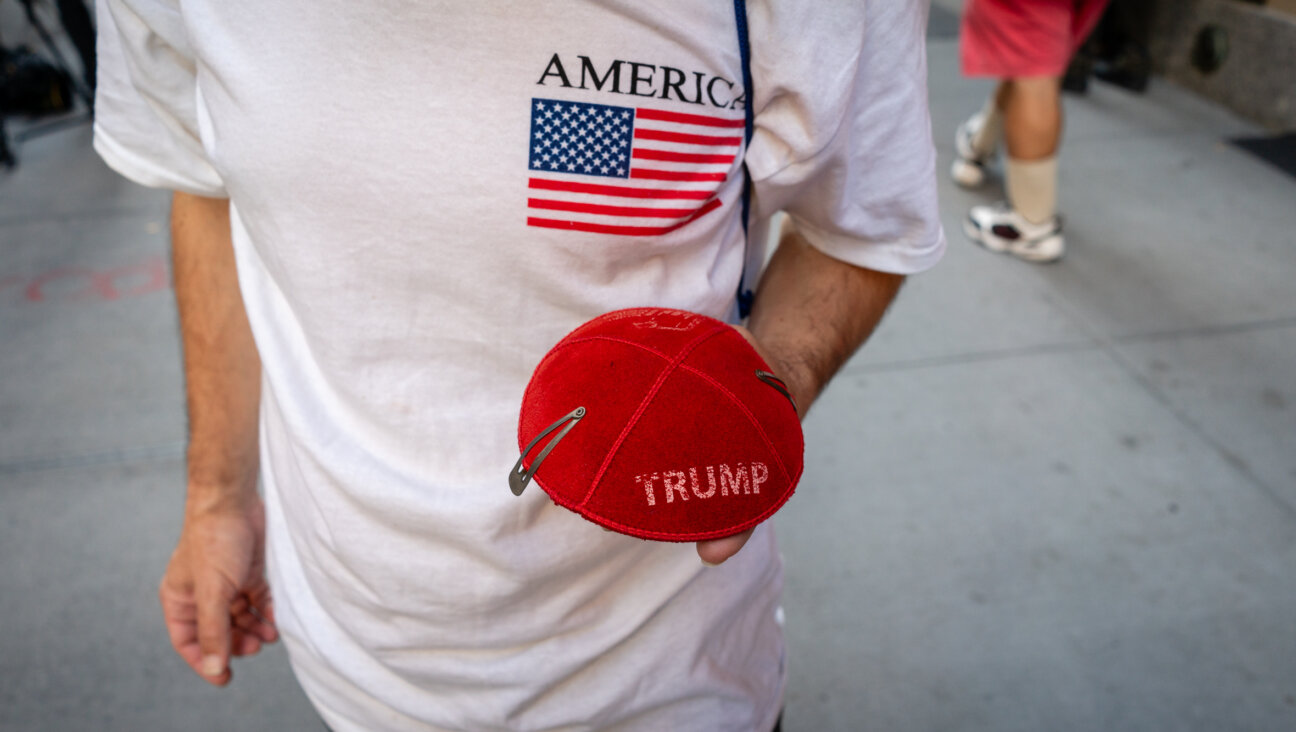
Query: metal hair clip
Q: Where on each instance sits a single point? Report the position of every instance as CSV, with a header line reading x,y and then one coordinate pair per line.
x,y
778,385
520,476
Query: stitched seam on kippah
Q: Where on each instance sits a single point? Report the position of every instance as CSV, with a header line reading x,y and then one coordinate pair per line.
x,y
614,339
643,406
769,444
526,393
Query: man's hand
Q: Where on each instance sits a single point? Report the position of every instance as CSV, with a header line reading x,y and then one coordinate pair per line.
x,y
214,595
810,314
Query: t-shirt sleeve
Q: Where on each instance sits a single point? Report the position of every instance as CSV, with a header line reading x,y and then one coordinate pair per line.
x,y
842,139
146,105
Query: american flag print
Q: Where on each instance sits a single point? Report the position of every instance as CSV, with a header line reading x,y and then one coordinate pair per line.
x,y
624,170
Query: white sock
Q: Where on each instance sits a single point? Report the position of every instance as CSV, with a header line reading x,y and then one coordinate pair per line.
x,y
1032,188
986,136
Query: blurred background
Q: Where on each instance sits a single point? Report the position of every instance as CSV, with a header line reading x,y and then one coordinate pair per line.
x,y
1042,498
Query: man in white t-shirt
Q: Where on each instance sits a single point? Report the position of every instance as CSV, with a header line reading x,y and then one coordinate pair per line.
x,y
385,214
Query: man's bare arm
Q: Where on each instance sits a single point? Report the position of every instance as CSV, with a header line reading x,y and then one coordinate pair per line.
x,y
810,314
222,369
214,596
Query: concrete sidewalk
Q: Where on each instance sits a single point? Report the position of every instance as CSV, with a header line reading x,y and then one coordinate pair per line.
x,y
1043,498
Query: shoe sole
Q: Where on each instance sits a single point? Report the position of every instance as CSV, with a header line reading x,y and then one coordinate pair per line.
x,y
975,233
967,174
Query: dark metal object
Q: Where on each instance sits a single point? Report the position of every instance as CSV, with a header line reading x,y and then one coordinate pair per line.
x,y
520,476
778,385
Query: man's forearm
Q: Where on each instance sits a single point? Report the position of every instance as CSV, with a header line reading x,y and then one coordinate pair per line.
x,y
812,312
222,368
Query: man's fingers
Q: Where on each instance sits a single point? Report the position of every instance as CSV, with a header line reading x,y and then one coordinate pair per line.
x,y
183,633
213,591
180,615
214,597
716,551
252,623
263,606
245,644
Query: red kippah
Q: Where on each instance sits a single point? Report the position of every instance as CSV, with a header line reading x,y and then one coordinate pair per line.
x,y
661,424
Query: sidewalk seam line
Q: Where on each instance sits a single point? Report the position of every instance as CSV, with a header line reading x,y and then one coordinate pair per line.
x,y
126,456
970,357
60,217
955,359
1111,346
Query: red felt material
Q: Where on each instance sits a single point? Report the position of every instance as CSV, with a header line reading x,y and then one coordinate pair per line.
x,y
681,441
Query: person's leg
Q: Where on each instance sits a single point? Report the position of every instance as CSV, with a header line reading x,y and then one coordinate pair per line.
x,y
1032,131
1036,40
1027,225
977,140
985,138
1032,110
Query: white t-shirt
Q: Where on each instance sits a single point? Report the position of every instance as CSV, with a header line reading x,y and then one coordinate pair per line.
x,y
425,197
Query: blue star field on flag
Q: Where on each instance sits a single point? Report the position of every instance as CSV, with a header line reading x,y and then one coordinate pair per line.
x,y
581,139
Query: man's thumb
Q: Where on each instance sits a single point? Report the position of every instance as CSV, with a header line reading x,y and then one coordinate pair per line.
x,y
213,597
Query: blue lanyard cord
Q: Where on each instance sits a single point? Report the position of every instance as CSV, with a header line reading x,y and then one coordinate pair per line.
x,y
745,294
744,49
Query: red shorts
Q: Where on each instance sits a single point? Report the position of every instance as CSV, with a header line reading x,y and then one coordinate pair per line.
x,y
1010,39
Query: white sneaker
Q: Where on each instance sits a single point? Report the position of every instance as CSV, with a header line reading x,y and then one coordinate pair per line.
x,y
970,167
1001,229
